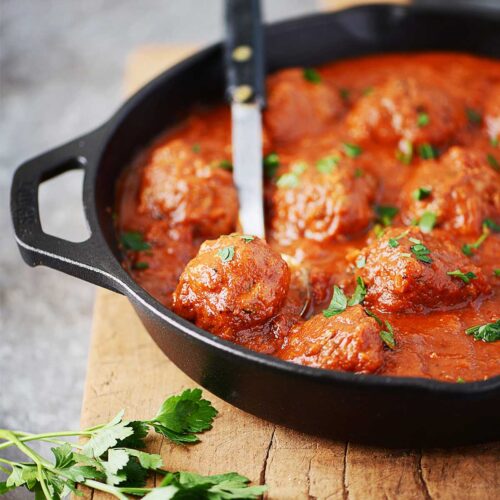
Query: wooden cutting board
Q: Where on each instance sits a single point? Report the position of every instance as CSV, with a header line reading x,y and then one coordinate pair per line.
x,y
127,370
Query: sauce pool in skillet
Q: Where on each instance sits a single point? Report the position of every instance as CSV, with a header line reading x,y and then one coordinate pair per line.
x,y
382,178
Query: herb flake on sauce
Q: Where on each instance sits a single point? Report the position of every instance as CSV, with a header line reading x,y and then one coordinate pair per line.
x,y
226,254
465,277
311,75
489,332
134,240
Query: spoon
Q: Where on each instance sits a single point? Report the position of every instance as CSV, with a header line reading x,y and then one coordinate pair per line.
x,y
244,59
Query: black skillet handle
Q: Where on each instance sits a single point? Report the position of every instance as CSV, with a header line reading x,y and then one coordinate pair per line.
x,y
36,246
244,51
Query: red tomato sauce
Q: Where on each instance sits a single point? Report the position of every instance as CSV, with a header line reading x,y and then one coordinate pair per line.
x,y
416,133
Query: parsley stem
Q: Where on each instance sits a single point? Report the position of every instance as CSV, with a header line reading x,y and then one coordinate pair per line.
x,y
44,437
39,460
4,470
8,462
107,488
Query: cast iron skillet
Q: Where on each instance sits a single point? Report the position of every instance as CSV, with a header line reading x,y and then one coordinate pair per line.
x,y
365,408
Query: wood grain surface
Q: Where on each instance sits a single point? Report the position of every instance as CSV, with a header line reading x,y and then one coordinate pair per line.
x,y
127,370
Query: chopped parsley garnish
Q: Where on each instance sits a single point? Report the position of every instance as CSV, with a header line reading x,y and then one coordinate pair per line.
x,y
292,179
388,336
415,240
271,164
421,193
465,277
359,293
489,332
327,164
421,252
496,272
338,303
247,238
140,266
493,161
427,222
344,94
386,213
339,300
226,254
360,261
427,152
352,150
393,242
468,248
133,240
491,224
494,141
311,75
358,173
378,230
196,148
423,119
226,165
460,380
404,153
473,116
374,316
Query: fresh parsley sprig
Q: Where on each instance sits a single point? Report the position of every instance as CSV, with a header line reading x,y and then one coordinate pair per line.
x,y
110,462
489,332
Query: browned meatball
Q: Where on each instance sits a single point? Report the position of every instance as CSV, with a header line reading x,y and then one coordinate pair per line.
x,y
407,271
234,283
297,107
349,341
179,185
460,188
418,109
327,200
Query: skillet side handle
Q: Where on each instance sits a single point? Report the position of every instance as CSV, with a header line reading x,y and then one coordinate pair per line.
x,y
39,248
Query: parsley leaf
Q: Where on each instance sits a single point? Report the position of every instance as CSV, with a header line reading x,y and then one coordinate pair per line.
x,y
226,254
489,332
496,272
358,173
247,238
386,213
196,148
493,161
427,222
404,153
421,253
423,119
292,179
468,248
465,277
338,303
374,316
311,75
344,94
327,164
359,293
180,417
141,266
133,240
64,456
421,193
388,336
216,487
492,225
226,165
352,150
271,164
360,261
473,116
427,151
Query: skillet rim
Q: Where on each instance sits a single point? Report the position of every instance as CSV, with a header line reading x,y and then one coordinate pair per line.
x,y
135,292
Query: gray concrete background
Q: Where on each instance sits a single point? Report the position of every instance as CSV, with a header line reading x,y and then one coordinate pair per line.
x,y
61,69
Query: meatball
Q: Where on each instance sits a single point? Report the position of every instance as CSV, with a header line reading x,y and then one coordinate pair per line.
x,y
460,188
297,107
235,283
321,202
179,185
349,341
416,109
408,271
